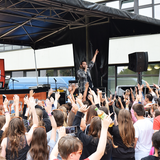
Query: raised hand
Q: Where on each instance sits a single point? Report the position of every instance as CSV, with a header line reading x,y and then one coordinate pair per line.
x,y
61,132
83,108
26,100
31,93
96,52
106,121
74,108
52,100
48,107
50,92
57,95
91,91
16,99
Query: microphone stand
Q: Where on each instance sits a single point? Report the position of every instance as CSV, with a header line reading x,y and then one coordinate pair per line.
x,y
13,80
47,79
55,84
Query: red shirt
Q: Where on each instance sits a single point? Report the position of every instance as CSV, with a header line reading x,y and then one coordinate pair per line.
x,y
156,123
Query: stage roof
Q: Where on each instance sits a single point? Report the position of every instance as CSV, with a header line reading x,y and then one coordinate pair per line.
x,y
45,23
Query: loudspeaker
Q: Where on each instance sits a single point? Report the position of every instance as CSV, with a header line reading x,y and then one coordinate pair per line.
x,y
138,61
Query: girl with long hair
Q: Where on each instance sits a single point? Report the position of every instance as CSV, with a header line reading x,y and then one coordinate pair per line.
x,y
90,141
40,150
16,141
123,137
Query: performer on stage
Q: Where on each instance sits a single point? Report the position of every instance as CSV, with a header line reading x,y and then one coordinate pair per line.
x,y
84,74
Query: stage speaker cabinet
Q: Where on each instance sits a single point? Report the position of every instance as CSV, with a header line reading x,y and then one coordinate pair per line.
x,y
138,61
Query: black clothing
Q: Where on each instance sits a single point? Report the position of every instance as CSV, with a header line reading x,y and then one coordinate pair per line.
x,y
1,132
46,119
89,80
23,149
24,109
122,151
123,158
150,158
45,114
90,143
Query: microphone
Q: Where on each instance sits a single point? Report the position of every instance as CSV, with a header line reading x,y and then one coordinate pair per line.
x,y
55,79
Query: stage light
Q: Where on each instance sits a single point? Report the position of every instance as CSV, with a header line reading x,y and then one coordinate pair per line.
x,y
149,68
156,66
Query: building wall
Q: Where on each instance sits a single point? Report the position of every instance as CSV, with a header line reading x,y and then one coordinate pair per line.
x,y
54,57
119,48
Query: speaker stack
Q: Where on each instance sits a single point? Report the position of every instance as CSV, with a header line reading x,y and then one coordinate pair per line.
x,y
138,62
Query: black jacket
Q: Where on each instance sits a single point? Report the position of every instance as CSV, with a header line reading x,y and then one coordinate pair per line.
x,y
90,143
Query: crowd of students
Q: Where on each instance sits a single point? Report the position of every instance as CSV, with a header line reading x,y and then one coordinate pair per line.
x,y
129,130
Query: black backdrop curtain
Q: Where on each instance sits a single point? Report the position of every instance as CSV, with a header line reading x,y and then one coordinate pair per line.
x,y
98,39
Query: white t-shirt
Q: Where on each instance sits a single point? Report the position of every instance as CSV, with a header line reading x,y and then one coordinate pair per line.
x,y
144,132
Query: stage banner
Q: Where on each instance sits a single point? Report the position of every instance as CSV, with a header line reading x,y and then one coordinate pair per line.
x,y
2,73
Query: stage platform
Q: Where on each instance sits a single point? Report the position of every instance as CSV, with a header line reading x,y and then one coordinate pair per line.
x,y
40,93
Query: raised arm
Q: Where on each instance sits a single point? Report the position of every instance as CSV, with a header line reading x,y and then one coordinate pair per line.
x,y
57,96
16,102
31,104
53,122
54,153
147,85
85,91
95,56
102,141
119,100
7,115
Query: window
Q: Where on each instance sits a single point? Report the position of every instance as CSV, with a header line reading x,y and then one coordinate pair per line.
x,y
31,74
144,2
125,76
146,12
8,47
111,78
114,4
50,72
156,1
16,47
17,74
65,72
127,4
43,73
157,11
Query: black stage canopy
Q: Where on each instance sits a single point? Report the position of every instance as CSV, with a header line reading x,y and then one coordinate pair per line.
x,y
48,23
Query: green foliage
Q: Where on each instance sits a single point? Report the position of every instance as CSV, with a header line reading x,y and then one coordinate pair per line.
x,y
50,72
66,72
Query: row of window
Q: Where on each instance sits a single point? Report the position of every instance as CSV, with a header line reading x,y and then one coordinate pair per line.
x,y
42,73
8,47
124,76
143,7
